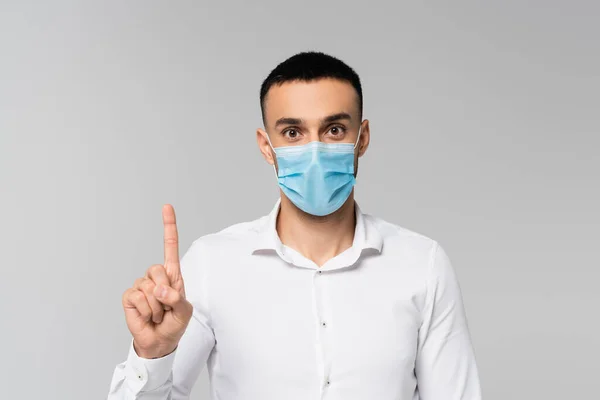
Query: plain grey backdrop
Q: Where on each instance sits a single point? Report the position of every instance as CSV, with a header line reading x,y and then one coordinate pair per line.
x,y
484,119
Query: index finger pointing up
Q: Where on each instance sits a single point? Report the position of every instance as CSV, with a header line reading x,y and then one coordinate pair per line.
x,y
171,240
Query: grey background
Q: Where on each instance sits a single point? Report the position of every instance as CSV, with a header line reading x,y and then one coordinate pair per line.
x,y
484,119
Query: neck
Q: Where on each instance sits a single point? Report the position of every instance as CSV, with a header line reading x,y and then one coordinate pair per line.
x,y
317,238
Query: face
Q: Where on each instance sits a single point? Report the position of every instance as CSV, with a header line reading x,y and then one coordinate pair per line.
x,y
323,110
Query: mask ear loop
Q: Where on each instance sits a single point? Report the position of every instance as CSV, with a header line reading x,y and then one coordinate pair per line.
x,y
275,154
358,138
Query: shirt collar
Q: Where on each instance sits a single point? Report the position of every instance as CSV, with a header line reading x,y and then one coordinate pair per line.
x,y
366,235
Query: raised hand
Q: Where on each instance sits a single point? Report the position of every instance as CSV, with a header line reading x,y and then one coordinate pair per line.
x,y
156,310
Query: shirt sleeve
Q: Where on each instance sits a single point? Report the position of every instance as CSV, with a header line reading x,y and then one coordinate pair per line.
x,y
445,366
172,377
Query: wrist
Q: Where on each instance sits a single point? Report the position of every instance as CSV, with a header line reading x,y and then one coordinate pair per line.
x,y
158,352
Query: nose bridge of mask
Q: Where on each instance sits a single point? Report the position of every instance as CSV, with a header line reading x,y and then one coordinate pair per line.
x,y
314,155
355,143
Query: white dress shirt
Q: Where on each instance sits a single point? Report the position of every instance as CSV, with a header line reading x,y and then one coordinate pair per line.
x,y
383,320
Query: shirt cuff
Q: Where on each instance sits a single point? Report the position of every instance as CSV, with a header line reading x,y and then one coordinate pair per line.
x,y
145,374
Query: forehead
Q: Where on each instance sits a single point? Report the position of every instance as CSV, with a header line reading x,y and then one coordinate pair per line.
x,y
311,100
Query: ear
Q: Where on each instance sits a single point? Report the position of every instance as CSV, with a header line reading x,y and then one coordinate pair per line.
x,y
365,138
264,146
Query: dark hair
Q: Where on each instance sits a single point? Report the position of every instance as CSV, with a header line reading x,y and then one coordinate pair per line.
x,y
310,66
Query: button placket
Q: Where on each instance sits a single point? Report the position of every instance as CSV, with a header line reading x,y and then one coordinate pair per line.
x,y
323,324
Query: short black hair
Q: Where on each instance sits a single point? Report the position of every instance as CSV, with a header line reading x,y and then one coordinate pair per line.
x,y
309,66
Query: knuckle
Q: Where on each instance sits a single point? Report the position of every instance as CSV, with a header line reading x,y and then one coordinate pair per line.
x,y
171,241
127,295
155,270
147,286
138,282
137,296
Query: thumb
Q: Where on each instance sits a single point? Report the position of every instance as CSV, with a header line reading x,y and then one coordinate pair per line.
x,y
173,298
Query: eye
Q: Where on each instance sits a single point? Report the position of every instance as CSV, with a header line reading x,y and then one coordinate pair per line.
x,y
291,133
337,131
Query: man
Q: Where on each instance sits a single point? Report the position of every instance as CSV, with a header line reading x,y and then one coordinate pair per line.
x,y
317,300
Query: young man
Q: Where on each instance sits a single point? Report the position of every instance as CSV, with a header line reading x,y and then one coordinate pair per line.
x,y
314,301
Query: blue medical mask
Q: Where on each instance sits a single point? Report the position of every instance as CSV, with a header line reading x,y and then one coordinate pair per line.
x,y
317,177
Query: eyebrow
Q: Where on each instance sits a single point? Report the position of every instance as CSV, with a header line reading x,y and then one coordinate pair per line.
x,y
337,117
328,119
288,121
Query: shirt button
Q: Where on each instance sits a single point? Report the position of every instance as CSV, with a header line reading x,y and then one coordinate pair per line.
x,y
320,272
138,374
324,323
